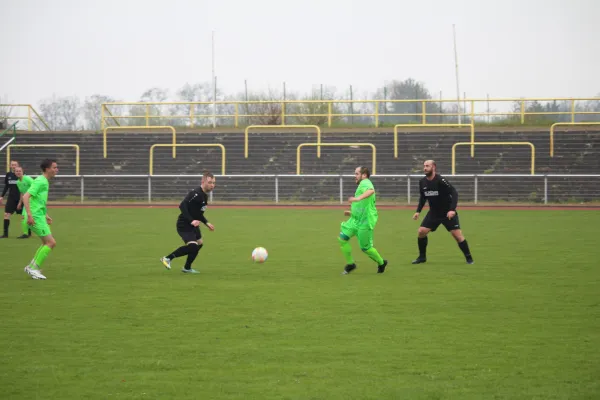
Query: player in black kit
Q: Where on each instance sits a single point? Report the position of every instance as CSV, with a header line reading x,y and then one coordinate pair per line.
x,y
443,199
12,201
188,223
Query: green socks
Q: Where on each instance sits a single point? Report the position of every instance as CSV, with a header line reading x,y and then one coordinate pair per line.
x,y
40,256
25,227
374,255
346,251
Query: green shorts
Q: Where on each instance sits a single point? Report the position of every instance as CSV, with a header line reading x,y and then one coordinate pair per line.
x,y
40,226
364,235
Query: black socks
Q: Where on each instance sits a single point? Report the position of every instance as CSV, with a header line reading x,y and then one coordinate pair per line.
x,y
191,257
190,249
422,246
464,246
183,250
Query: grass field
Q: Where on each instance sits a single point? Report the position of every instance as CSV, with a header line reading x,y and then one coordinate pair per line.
x,y
111,323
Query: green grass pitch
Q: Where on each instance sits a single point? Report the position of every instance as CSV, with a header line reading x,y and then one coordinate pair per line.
x,y
111,323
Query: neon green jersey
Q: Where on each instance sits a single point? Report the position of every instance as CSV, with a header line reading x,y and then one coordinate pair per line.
x,y
39,195
364,212
24,184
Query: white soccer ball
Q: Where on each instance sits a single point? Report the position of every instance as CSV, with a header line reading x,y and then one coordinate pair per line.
x,y
259,255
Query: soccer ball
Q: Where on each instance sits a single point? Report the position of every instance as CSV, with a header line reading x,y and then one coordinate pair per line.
x,y
259,255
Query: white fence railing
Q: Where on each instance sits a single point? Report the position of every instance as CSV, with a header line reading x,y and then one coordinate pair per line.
x,y
397,189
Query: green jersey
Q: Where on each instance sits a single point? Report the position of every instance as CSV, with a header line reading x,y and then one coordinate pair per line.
x,y
39,196
364,212
24,184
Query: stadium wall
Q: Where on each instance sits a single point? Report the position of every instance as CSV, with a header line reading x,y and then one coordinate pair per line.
x,y
272,153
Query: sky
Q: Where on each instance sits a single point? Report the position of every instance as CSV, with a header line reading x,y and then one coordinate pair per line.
x,y
506,49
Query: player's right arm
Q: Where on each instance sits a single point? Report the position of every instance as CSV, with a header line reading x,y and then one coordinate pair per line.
x,y
5,188
184,206
188,203
422,201
33,192
27,204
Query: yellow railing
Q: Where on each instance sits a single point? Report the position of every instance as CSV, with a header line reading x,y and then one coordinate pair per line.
x,y
230,110
273,127
6,110
114,128
371,145
493,144
565,124
432,125
76,147
188,145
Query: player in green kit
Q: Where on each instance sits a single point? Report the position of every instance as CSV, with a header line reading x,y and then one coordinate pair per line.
x,y
23,184
37,217
362,221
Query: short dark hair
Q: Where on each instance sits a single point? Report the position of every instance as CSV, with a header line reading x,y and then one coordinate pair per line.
x,y
365,171
47,163
207,174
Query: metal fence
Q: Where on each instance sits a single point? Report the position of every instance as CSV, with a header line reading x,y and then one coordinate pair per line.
x,y
321,189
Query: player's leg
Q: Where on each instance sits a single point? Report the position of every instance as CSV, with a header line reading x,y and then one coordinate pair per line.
x,y
365,240
429,224
347,230
8,211
24,227
453,226
41,229
191,257
190,237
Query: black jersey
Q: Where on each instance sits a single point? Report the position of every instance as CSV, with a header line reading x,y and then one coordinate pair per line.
x,y
10,184
440,194
193,206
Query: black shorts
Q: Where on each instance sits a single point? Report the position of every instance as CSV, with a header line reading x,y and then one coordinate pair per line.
x,y
187,232
432,222
11,206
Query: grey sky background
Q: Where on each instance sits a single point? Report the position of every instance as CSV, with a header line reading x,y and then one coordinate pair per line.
x,y
509,48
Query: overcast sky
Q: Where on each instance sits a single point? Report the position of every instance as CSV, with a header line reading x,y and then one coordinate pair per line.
x,y
506,48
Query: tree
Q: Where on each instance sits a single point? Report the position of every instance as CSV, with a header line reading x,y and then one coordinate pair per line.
x,y
137,113
92,111
61,113
409,89
265,111
319,111
202,92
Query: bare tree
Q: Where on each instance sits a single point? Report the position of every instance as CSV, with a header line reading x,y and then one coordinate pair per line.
x,y
265,111
408,89
202,92
61,113
92,111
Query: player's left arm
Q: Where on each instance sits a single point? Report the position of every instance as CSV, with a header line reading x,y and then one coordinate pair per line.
x,y
5,188
453,193
363,196
27,206
369,191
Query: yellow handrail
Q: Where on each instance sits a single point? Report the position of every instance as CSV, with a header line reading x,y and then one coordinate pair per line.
x,y
371,145
44,145
30,110
282,127
432,125
494,144
188,145
233,112
564,124
114,128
